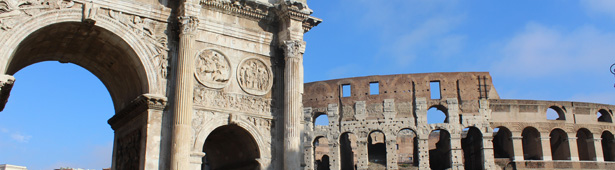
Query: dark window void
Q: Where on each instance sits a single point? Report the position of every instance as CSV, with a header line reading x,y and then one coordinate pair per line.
x,y
608,148
407,149
439,150
434,87
604,116
532,147
374,88
437,114
348,152
230,147
472,146
321,120
502,143
560,149
585,145
346,91
321,154
555,113
376,150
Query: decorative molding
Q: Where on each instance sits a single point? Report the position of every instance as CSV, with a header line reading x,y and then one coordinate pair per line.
x,y
293,49
254,76
6,84
232,102
213,69
14,11
136,107
188,24
251,9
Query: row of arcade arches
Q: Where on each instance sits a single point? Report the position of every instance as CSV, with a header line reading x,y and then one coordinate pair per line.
x,y
559,142
406,149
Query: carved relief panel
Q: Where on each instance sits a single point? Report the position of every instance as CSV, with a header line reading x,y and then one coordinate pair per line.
x,y
212,69
254,76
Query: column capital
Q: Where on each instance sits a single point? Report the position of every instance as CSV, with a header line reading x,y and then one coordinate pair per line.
x,y
293,48
188,24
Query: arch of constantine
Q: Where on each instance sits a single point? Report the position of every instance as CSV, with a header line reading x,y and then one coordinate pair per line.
x,y
218,84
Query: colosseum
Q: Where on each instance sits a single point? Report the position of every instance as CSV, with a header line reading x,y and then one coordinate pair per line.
x,y
380,122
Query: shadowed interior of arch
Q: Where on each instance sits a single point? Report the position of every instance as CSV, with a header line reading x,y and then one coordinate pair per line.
x,y
98,50
376,150
230,147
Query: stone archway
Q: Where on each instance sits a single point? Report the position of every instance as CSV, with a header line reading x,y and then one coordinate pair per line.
x,y
472,146
112,59
230,147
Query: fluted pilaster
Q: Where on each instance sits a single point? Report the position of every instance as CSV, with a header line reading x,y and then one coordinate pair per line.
x,y
182,109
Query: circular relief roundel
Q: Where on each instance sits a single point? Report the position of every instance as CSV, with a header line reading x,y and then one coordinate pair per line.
x,y
254,76
212,69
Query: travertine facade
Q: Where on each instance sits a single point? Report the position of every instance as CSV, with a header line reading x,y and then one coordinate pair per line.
x,y
196,84
218,84
480,131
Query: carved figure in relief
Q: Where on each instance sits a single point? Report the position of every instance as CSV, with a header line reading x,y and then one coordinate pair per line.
x,y
212,69
12,11
254,76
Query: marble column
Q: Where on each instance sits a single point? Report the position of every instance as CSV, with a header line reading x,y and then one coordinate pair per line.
x,y
182,109
293,90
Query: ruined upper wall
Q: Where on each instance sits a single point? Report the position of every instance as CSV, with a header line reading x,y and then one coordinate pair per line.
x,y
402,88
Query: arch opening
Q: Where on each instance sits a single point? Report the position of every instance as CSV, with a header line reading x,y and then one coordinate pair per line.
x,y
348,151
230,147
560,148
555,113
604,116
532,147
437,114
321,153
321,119
585,145
96,49
376,150
502,143
439,150
407,149
472,146
608,146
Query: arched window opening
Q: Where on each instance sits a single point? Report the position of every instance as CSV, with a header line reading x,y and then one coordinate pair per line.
x,y
321,154
532,147
560,149
608,148
376,150
407,149
56,97
348,151
439,150
321,119
585,145
230,147
604,116
472,146
437,114
502,143
555,113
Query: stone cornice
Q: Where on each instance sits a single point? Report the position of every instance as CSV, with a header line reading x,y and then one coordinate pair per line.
x,y
136,107
6,84
160,13
250,9
310,23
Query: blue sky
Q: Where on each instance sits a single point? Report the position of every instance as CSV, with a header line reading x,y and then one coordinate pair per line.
x,y
543,50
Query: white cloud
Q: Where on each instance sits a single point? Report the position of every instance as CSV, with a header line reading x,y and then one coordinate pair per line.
x,y
20,137
543,51
606,7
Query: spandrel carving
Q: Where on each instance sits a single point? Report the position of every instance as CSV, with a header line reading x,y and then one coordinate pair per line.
x,y
254,76
14,11
212,69
234,102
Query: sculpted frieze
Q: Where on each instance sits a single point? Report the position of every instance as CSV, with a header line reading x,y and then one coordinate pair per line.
x,y
14,11
212,69
254,76
232,102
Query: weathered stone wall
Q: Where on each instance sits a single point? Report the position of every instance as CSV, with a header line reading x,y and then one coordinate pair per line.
x,y
470,103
